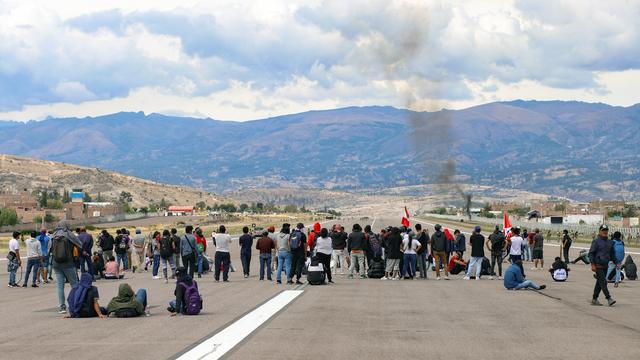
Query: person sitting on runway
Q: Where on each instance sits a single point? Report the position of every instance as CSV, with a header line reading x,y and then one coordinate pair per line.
x,y
457,264
513,279
559,270
112,269
188,300
584,257
83,299
126,304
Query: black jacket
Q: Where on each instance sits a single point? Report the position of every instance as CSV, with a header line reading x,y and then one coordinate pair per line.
x,y
338,240
356,241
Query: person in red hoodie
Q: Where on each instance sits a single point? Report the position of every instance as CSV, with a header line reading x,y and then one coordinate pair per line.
x,y
201,249
313,235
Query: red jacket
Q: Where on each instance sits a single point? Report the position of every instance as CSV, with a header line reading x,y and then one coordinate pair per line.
x,y
311,239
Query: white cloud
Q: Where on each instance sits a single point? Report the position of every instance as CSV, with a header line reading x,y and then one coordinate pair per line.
x,y
245,60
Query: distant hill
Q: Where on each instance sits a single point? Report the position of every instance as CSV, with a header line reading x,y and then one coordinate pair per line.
x,y
570,149
17,173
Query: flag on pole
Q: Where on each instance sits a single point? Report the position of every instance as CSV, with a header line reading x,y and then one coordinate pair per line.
x,y
448,235
406,211
506,224
405,222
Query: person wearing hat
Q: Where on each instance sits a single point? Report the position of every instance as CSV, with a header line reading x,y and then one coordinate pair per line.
x,y
600,253
137,257
439,249
477,253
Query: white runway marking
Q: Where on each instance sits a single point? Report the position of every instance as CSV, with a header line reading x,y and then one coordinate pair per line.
x,y
222,342
545,244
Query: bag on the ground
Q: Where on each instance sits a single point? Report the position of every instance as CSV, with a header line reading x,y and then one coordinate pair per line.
x,y
61,249
376,270
125,313
486,267
192,298
630,269
315,273
559,275
165,247
295,240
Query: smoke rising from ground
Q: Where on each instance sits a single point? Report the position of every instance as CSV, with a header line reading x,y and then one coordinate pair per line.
x,y
430,132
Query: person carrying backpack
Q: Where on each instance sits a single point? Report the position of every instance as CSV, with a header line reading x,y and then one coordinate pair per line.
x,y
166,255
566,245
298,244
121,250
126,303
496,244
188,250
617,259
63,243
188,300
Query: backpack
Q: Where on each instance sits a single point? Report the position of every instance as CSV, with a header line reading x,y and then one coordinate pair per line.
x,y
630,269
485,268
497,242
125,313
165,247
176,243
376,270
192,298
315,273
559,275
295,240
376,248
61,249
618,251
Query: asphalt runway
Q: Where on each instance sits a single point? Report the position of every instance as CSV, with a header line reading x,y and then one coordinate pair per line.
x,y
353,319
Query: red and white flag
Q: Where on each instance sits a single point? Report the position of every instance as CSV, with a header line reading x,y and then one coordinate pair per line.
x,y
405,222
506,224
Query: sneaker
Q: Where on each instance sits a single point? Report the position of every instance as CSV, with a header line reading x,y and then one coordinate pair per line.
x,y
477,278
395,278
533,268
289,282
595,302
278,281
615,285
24,285
611,302
330,281
438,278
500,278
298,282
350,276
156,277
34,286
490,277
270,279
446,277
199,276
363,276
62,310
466,278
542,287
384,278
225,280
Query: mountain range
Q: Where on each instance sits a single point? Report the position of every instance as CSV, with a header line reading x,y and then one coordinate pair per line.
x,y
570,149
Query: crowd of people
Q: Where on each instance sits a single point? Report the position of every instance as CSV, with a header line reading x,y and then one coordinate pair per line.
x,y
393,253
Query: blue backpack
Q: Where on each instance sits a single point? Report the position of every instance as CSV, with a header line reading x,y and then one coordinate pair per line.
x,y
295,240
618,251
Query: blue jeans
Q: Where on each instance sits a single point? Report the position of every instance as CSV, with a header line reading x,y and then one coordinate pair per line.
x,y
32,264
527,284
156,265
86,265
200,257
265,265
422,264
475,261
64,272
612,266
141,297
284,260
12,277
409,266
526,252
124,258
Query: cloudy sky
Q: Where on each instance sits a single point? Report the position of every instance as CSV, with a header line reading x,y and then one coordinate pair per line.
x,y
242,60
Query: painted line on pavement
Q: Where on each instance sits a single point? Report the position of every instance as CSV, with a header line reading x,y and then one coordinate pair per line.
x,y
225,340
545,244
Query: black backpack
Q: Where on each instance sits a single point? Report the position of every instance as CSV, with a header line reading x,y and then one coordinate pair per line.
x,y
61,249
165,247
497,242
376,270
630,269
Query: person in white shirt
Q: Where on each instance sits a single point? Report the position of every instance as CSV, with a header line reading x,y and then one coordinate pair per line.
x,y
222,240
410,247
14,261
515,251
34,258
323,250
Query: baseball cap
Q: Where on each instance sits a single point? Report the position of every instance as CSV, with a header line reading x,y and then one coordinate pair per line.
x,y
603,227
477,228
